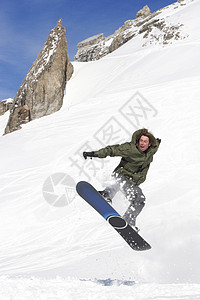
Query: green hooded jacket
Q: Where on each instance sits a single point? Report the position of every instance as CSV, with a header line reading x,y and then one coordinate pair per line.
x,y
135,163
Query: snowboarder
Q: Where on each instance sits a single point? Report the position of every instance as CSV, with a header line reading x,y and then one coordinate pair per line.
x,y
132,170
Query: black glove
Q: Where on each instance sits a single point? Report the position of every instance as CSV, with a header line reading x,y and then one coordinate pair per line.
x,y
159,141
89,154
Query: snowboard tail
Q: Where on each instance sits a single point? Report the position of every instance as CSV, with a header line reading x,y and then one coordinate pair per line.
x,y
90,195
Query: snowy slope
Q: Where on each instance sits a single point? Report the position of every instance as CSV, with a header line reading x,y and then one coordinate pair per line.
x,y
161,85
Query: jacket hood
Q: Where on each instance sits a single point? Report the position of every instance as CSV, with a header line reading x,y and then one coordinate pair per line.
x,y
137,135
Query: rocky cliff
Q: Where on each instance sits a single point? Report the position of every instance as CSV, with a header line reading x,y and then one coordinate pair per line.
x,y
147,24
5,105
42,90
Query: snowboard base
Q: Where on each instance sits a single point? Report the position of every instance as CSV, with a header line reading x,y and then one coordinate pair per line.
x,y
90,195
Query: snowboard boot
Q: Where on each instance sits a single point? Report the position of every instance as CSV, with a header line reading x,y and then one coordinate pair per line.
x,y
106,197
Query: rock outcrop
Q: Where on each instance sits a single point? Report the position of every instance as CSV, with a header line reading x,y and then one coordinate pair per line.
x,y
5,105
152,28
144,12
91,41
90,49
42,90
98,46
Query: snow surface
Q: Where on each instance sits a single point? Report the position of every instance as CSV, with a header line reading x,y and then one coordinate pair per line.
x,y
7,101
52,249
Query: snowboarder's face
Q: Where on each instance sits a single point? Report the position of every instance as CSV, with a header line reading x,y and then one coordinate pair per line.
x,y
144,143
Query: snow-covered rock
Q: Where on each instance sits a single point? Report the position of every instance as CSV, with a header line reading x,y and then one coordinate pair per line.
x,y
5,105
144,12
146,24
42,90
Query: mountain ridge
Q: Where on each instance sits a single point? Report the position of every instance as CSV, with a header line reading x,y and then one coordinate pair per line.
x,y
146,24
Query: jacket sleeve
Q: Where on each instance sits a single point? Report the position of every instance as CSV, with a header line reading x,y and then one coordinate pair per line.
x,y
122,150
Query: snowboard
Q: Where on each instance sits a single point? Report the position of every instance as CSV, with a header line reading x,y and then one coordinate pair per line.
x,y
91,196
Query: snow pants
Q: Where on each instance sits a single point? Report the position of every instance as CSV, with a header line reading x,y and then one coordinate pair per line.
x,y
132,193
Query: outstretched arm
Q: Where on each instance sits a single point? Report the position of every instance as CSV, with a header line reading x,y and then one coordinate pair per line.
x,y
122,150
